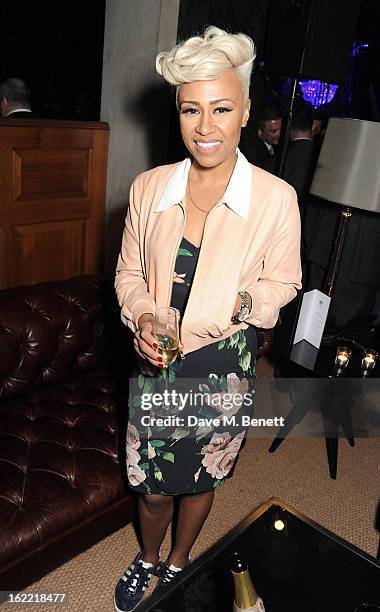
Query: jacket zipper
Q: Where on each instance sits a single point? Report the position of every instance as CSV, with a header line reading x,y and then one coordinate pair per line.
x,y
180,351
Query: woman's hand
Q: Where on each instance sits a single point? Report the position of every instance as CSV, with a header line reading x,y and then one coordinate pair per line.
x,y
145,343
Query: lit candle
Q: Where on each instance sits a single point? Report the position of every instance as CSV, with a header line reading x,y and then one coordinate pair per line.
x,y
342,359
368,362
343,355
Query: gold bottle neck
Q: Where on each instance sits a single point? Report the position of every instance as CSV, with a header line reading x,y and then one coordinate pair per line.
x,y
245,594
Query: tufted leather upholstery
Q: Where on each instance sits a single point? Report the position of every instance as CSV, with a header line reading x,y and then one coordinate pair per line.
x,y
59,424
48,333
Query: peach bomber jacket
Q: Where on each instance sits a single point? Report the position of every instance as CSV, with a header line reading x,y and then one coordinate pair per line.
x,y
259,254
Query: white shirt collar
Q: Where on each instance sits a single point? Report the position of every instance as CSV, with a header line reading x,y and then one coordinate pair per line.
x,y
18,110
269,147
237,195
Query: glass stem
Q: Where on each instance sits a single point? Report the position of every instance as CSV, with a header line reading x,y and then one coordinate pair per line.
x,y
166,386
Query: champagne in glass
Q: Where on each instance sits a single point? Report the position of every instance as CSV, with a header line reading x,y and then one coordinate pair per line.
x,y
168,348
166,329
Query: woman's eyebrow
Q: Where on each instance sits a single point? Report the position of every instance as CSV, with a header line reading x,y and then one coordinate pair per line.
x,y
222,100
211,101
189,102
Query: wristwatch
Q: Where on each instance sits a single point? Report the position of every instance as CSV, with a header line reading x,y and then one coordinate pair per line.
x,y
244,309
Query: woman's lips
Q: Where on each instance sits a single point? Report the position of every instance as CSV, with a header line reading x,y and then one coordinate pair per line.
x,y
207,146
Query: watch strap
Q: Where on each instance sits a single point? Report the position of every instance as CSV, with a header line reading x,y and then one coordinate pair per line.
x,y
244,304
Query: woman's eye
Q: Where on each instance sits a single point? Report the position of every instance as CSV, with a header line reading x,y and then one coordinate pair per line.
x,y
189,111
223,109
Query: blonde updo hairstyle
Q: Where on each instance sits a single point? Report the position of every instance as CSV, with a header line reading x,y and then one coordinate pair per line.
x,y
207,57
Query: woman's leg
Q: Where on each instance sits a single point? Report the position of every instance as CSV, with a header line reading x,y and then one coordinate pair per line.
x,y
155,513
192,514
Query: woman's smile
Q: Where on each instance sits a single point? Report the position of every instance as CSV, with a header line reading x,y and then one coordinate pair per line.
x,y
208,146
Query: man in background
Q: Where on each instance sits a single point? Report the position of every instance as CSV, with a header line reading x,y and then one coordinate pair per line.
x,y
15,99
298,160
318,131
269,132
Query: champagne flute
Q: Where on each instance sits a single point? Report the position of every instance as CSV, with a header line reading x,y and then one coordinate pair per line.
x,y
166,330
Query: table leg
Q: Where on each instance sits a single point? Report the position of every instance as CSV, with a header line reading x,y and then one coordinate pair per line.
x,y
331,423
295,416
332,455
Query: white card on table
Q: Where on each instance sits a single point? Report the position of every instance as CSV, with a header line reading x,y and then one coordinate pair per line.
x,y
312,317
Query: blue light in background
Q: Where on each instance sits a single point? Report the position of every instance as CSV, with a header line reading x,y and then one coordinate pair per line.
x,y
357,46
317,92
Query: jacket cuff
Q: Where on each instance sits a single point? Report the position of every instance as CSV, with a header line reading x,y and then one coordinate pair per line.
x,y
141,307
256,306
257,315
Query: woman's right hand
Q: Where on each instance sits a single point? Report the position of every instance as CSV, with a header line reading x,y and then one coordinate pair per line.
x,y
145,343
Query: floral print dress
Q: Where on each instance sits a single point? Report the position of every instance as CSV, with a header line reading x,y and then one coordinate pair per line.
x,y
192,455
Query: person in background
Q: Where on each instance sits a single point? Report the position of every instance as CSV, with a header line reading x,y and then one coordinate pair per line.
x,y
219,240
15,99
299,153
269,133
318,131
319,124
311,205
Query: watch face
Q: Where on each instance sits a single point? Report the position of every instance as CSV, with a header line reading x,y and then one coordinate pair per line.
x,y
243,314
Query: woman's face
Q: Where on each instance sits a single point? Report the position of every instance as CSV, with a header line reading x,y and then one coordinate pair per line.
x,y
212,114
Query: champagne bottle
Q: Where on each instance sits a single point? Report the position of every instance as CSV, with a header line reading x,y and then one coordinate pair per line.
x,y
246,598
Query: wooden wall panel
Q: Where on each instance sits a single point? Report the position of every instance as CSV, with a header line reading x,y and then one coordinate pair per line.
x,y
4,272
52,199
43,174
43,251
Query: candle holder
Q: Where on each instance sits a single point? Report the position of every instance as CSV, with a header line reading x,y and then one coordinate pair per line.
x,y
342,358
368,362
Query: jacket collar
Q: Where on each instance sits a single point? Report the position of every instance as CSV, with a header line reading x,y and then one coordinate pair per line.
x,y
237,195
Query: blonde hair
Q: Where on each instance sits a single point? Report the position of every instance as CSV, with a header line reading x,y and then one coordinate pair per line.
x,y
207,57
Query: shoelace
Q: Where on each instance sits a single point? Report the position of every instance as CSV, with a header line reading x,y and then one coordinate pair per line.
x,y
166,574
138,579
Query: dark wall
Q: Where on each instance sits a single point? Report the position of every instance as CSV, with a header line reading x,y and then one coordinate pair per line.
x,y
246,16
57,48
366,98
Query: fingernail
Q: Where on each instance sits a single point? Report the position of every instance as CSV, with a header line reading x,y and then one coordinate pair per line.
x,y
159,359
160,365
155,345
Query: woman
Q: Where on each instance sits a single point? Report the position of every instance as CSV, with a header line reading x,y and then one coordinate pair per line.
x,y
218,239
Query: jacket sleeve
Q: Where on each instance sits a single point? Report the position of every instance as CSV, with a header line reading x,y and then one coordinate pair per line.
x,y
130,283
281,274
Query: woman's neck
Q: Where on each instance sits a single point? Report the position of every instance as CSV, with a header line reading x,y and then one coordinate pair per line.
x,y
212,176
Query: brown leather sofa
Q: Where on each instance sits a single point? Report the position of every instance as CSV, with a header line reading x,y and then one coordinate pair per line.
x,y
62,414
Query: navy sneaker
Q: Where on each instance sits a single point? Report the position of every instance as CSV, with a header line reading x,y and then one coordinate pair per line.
x,y
166,573
132,585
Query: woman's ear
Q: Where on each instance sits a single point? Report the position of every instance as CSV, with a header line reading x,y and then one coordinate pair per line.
x,y
246,112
